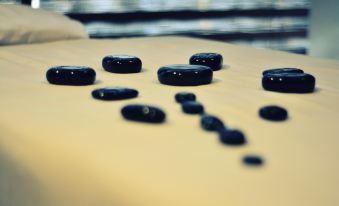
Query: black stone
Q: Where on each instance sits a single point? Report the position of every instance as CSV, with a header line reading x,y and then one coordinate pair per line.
x,y
184,96
114,93
191,107
185,75
253,160
212,60
211,123
71,75
122,64
283,70
231,137
273,113
289,82
143,113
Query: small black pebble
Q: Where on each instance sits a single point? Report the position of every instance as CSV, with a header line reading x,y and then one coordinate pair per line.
x,y
289,82
283,70
273,113
231,137
122,64
114,93
212,60
185,75
211,123
252,160
143,113
71,75
184,96
191,107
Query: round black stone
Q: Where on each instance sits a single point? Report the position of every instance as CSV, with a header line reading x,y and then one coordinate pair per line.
x,y
273,113
122,64
191,107
71,75
289,82
211,123
212,60
231,137
253,160
185,75
283,70
114,93
184,96
143,113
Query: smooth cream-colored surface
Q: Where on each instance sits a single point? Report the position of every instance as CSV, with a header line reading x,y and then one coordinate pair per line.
x,y
58,146
24,25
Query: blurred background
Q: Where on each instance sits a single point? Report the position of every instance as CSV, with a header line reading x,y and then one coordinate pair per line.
x,y
285,25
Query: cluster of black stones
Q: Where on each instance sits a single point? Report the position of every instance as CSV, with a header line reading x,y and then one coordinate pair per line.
x,y
199,71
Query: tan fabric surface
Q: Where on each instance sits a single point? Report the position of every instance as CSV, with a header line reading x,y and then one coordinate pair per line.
x,y
24,25
58,146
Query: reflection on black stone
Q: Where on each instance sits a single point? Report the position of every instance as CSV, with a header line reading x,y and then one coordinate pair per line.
x,y
212,60
143,113
122,64
114,93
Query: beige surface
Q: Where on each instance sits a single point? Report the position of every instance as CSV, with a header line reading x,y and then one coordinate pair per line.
x,y
58,146
24,25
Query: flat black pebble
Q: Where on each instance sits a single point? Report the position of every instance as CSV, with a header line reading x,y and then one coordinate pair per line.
x,y
289,82
71,75
184,96
143,113
114,93
283,70
185,75
212,60
232,137
191,107
273,113
253,160
211,123
122,64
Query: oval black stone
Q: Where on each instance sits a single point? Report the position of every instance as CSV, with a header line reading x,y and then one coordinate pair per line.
x,y
212,60
289,82
273,113
253,160
191,107
143,113
184,96
231,137
114,93
122,64
211,123
283,70
71,75
185,75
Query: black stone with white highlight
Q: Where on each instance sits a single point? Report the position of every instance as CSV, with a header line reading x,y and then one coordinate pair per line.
x,y
114,93
71,75
122,64
143,113
185,75
289,82
212,60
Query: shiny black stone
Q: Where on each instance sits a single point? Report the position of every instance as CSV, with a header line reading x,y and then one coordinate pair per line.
x,y
289,82
191,107
212,60
253,160
283,70
143,113
122,64
273,113
71,75
114,93
211,123
185,75
231,137
184,96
